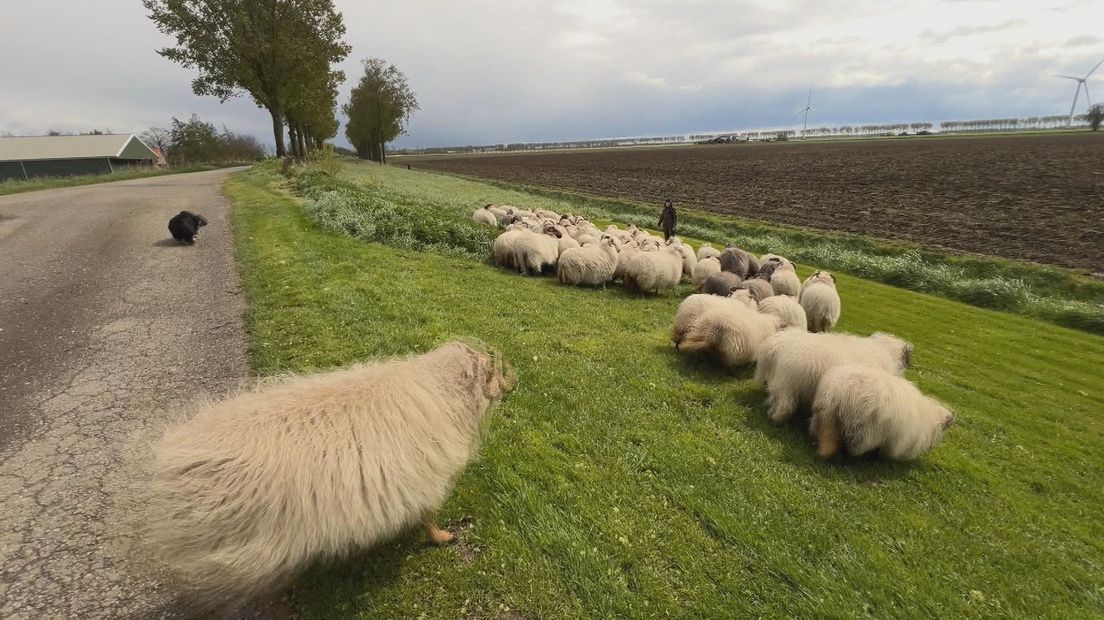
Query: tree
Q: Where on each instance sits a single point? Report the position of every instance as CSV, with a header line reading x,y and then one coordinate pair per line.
x,y
1096,116
158,138
193,141
269,49
379,107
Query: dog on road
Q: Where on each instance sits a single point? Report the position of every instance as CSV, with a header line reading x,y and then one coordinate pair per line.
x,y
185,226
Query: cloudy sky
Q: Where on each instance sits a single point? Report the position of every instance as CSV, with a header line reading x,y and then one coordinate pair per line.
x,y
491,71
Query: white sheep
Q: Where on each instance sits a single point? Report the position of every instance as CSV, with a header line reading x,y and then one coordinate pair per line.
x,y
863,409
707,250
250,490
687,253
593,266
821,301
483,216
565,243
536,252
691,309
760,289
703,269
652,272
791,363
503,246
730,333
786,309
784,280
628,251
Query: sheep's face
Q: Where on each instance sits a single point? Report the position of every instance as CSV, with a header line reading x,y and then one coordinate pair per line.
x,y
948,419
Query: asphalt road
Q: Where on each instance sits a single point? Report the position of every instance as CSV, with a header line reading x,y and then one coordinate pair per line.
x,y
106,327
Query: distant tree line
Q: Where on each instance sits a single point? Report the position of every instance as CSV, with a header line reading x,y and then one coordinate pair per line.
x,y
279,52
195,141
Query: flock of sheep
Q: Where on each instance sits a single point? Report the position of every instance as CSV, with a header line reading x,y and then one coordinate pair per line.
x,y
244,493
747,310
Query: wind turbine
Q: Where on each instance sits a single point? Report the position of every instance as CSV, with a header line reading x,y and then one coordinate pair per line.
x,y
806,109
1081,83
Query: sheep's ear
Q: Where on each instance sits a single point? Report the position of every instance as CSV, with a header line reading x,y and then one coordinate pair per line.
x,y
906,355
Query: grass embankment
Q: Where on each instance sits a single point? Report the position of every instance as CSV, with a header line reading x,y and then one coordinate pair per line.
x,y
623,480
1057,295
16,187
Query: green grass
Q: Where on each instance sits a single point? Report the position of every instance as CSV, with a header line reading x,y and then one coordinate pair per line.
x,y
623,480
16,187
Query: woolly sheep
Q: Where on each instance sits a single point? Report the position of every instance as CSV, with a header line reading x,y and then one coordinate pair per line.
x,y
250,490
863,409
734,260
591,265
687,253
535,252
650,244
786,309
721,283
584,239
791,363
730,333
703,269
565,243
652,272
706,251
483,216
623,258
549,215
777,258
503,246
692,308
783,278
821,301
760,289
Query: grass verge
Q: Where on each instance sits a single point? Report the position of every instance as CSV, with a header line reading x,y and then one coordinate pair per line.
x,y
16,187
623,480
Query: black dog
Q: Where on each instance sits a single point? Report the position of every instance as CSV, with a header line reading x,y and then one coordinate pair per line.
x,y
185,225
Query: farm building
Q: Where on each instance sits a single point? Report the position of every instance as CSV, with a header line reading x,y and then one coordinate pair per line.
x,y
60,156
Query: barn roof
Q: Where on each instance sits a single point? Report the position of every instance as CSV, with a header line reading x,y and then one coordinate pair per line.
x,y
30,148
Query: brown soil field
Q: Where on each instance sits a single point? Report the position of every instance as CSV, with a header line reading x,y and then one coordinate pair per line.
x,y
1035,198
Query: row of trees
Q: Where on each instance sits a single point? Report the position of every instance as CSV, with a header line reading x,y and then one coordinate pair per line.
x,y
379,107
279,52
195,141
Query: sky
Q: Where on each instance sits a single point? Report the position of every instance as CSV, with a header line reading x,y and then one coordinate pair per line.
x,y
494,71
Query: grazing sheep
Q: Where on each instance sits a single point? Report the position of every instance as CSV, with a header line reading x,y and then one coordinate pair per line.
x,y
503,247
652,272
184,226
548,215
691,309
786,309
863,409
734,260
536,252
721,283
703,269
777,258
687,253
250,490
821,301
706,251
483,216
623,258
760,289
791,363
783,278
590,265
731,333
565,243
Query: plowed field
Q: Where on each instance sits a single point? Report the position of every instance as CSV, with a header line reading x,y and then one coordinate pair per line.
x,y
1035,198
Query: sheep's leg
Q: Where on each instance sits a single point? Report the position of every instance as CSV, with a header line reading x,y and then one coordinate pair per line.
x,y
827,434
781,407
436,535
